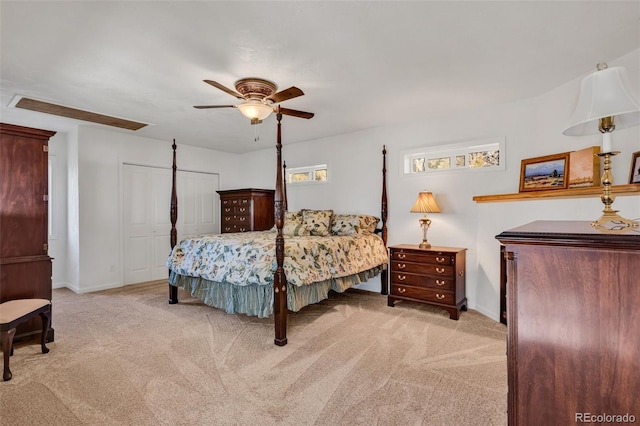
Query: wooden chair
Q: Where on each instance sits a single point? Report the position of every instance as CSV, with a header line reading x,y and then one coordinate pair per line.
x,y
14,312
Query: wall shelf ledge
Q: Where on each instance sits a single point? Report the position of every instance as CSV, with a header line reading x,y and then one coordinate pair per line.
x,y
593,191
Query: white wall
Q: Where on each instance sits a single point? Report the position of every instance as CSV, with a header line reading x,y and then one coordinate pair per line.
x,y
531,127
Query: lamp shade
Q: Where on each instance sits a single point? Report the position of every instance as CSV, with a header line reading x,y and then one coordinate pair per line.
x,y
255,109
425,204
603,93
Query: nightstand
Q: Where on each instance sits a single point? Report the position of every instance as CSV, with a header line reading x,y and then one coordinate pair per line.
x,y
434,276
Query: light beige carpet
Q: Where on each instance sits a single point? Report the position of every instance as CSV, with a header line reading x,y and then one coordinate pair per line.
x,y
127,357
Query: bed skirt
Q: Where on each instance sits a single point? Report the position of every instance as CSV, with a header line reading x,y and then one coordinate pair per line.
x,y
257,300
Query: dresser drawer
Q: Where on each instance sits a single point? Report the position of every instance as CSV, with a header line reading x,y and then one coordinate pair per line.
x,y
423,294
235,228
423,268
242,220
403,278
435,258
234,202
236,210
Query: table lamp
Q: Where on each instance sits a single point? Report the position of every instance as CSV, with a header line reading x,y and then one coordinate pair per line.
x,y
605,104
425,204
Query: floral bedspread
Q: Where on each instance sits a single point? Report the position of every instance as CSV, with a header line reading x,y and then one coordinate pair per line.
x,y
249,257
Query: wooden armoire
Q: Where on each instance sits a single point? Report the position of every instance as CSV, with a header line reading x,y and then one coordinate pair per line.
x,y
25,266
573,346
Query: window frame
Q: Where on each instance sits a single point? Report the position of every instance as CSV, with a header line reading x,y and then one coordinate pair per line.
x,y
290,171
453,152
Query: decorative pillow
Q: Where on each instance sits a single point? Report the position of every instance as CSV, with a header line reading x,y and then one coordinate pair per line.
x,y
345,224
317,221
293,225
368,223
350,224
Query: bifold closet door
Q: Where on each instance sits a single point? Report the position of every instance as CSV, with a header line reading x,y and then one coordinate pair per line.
x,y
147,192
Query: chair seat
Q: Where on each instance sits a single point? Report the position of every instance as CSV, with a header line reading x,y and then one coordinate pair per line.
x,y
12,313
13,310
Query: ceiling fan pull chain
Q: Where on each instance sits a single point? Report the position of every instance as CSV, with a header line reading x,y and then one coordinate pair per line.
x,y
256,138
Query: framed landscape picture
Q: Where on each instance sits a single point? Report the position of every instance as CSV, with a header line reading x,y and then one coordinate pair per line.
x,y
585,167
634,174
545,173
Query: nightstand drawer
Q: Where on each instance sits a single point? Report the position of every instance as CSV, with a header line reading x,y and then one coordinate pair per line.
x,y
435,258
403,278
445,297
423,268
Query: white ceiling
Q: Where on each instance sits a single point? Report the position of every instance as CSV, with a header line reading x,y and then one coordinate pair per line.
x,y
361,64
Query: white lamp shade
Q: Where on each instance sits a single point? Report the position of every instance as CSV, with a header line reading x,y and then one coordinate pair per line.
x,y
255,110
603,94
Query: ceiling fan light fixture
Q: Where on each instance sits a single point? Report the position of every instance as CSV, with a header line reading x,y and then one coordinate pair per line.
x,y
255,110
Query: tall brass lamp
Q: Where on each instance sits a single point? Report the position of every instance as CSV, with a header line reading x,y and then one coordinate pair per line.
x,y
605,104
425,204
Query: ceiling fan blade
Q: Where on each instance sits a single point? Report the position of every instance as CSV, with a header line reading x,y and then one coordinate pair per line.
x,y
286,94
224,89
296,113
213,106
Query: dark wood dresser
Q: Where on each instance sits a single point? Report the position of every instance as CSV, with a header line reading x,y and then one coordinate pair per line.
x,y
25,266
435,276
247,209
573,309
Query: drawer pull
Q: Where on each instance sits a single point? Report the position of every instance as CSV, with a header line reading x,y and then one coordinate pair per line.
x,y
227,218
242,219
234,201
227,228
439,296
227,210
402,265
242,229
440,259
243,209
402,290
402,277
440,270
440,282
402,256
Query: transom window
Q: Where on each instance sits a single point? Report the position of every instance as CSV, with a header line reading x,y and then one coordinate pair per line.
x,y
308,174
484,154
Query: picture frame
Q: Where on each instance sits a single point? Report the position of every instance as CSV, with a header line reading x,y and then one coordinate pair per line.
x,y
585,167
634,173
545,173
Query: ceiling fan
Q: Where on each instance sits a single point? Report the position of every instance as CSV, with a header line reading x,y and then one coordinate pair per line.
x,y
259,98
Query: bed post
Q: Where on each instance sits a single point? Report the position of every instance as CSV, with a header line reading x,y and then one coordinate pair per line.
x,y
279,278
173,290
284,185
384,281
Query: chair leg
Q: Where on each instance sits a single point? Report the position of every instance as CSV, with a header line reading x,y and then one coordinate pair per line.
x,y
6,341
46,321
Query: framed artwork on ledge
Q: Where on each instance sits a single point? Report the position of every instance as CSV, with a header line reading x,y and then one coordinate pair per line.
x,y
634,174
545,173
585,167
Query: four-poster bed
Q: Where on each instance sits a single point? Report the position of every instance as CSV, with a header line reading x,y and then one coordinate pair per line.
x,y
230,271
